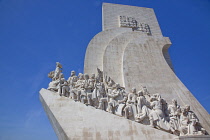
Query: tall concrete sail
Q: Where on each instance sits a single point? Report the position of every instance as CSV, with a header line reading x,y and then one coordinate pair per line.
x,y
138,55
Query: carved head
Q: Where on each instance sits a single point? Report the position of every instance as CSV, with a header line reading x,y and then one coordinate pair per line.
x,y
73,73
187,107
157,96
140,93
93,76
58,65
174,101
81,76
134,90
184,111
152,98
144,89
110,83
100,75
86,76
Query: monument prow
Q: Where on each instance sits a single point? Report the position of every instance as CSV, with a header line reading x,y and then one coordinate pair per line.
x,y
73,120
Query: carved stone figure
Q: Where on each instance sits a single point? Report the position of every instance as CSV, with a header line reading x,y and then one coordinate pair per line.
x,y
61,82
70,79
174,114
122,99
56,77
190,123
57,71
184,121
99,93
65,88
99,75
109,84
92,82
84,89
165,109
144,91
130,109
80,87
156,116
53,85
73,89
142,109
112,104
87,89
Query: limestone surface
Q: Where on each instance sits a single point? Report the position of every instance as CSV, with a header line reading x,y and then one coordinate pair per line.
x,y
133,52
74,120
134,58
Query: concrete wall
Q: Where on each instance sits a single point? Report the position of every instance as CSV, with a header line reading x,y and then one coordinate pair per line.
x,y
111,13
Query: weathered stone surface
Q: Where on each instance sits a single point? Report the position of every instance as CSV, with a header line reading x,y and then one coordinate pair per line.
x,y
97,47
53,120
111,13
132,56
113,55
193,138
78,121
140,59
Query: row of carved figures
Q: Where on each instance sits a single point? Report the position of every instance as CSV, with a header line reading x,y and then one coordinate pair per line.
x,y
103,93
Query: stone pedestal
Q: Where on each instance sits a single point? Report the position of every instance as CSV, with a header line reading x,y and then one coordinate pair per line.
x,y
74,120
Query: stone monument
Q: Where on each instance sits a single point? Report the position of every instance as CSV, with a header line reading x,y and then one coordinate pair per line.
x,y
128,89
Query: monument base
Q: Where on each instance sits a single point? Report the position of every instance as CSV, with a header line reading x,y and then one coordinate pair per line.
x,y
74,120
201,137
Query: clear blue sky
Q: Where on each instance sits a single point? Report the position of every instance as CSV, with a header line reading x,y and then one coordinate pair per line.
x,y
34,34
